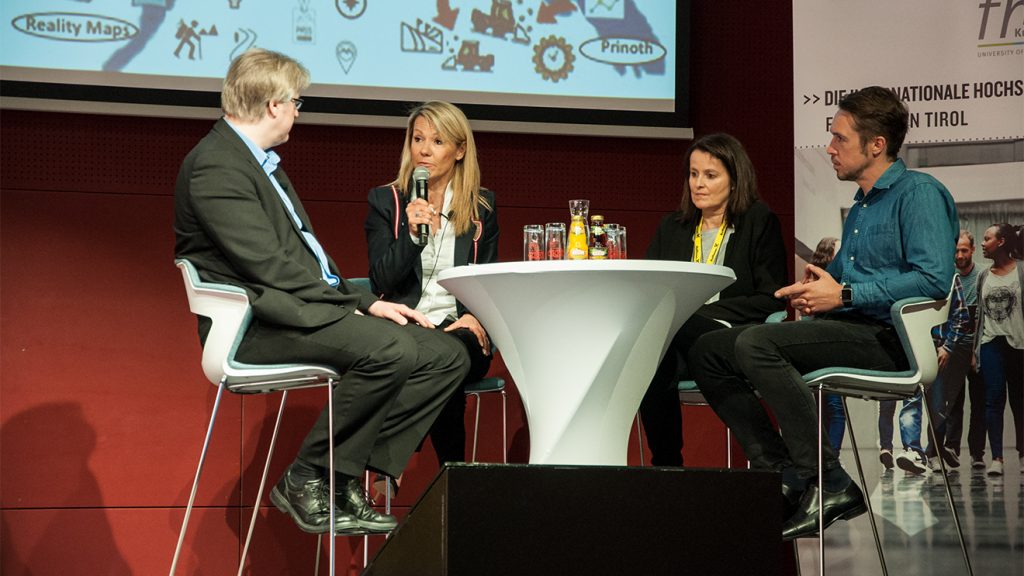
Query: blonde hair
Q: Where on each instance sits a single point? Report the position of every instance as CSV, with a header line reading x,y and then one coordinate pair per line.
x,y
453,126
258,76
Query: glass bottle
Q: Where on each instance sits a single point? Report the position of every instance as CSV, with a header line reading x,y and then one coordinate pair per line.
x,y
577,244
598,238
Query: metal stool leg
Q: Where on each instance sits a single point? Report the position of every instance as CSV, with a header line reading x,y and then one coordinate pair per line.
x,y
316,565
195,482
821,486
728,447
330,468
860,473
945,480
263,482
640,438
504,427
476,425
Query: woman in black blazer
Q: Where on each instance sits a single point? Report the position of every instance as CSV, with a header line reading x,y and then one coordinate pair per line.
x,y
736,230
462,228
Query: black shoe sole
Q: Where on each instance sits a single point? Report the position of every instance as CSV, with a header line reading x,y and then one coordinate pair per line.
x,y
847,515
376,528
911,466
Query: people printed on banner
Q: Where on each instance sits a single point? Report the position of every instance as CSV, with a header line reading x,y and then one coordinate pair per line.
x,y
954,343
999,341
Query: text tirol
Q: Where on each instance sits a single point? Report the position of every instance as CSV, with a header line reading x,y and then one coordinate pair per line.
x,y
939,119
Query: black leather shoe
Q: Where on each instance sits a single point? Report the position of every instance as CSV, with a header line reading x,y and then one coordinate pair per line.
x,y
351,499
308,504
790,501
846,504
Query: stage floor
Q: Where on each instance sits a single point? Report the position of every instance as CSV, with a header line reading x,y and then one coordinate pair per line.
x,y
916,526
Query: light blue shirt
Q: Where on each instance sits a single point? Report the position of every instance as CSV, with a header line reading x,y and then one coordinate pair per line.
x,y
897,242
269,160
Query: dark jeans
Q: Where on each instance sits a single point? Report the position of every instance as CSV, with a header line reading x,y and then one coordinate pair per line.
x,y
835,420
910,424
659,410
1001,368
730,365
976,429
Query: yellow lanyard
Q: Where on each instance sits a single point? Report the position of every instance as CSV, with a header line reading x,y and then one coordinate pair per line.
x,y
697,252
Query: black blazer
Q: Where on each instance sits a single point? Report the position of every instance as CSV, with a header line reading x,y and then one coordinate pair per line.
x,y
230,222
755,253
395,268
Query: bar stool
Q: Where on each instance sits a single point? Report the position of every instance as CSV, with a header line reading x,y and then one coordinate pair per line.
x,y
913,319
228,309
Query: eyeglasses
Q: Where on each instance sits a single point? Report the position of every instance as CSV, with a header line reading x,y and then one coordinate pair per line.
x,y
298,103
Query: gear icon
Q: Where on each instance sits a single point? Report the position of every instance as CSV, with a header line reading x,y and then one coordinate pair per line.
x,y
553,58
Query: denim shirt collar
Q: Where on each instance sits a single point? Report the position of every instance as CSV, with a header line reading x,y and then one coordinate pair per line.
x,y
885,181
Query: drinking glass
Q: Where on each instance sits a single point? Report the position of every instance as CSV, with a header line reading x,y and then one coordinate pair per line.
x,y
533,242
554,240
616,241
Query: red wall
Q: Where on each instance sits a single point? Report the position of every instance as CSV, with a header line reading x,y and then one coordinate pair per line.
x,y
104,405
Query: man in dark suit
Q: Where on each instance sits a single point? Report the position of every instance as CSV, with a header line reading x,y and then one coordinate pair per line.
x,y
239,221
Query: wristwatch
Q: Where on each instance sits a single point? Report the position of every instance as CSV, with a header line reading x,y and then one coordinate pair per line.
x,y
847,295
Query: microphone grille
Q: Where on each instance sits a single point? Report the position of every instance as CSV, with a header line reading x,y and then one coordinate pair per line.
x,y
420,173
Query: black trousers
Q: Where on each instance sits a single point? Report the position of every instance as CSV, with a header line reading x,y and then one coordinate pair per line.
x,y
730,365
976,427
395,381
448,434
659,410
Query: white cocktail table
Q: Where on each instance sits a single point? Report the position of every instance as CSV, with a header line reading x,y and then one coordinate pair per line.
x,y
582,340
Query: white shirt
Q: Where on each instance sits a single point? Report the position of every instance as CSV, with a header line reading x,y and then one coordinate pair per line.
x,y
439,254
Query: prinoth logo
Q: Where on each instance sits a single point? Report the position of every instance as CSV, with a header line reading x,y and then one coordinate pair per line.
x,y
69,27
1002,24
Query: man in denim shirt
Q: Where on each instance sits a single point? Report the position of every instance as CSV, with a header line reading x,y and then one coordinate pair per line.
x,y
896,244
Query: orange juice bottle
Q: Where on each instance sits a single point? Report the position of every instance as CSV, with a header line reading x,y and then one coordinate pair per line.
x,y
577,244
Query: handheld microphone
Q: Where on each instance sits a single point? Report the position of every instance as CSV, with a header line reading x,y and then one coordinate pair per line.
x,y
419,177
